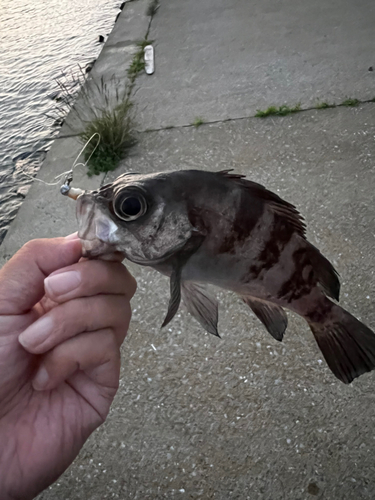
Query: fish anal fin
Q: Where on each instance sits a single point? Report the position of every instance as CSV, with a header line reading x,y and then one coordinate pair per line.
x,y
326,274
272,316
201,305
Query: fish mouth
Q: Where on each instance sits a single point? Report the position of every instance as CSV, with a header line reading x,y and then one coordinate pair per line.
x,y
92,249
96,248
97,231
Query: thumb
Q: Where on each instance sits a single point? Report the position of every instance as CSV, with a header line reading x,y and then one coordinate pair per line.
x,y
22,278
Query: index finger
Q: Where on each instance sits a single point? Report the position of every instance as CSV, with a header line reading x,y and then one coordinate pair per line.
x,y
91,277
21,279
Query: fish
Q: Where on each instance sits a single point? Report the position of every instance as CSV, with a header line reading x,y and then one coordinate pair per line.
x,y
204,228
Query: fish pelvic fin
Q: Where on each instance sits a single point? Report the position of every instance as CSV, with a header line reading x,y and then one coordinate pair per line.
x,y
348,346
272,316
201,305
175,298
178,262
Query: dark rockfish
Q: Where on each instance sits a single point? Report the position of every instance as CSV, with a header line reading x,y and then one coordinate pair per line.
x,y
201,227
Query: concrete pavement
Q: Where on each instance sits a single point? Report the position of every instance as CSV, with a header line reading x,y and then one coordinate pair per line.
x,y
221,59
245,416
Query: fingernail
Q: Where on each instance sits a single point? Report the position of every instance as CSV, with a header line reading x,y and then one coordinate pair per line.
x,y
60,284
41,379
37,333
73,236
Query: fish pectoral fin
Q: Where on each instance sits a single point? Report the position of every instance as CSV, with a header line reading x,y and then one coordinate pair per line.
x,y
175,298
272,316
201,305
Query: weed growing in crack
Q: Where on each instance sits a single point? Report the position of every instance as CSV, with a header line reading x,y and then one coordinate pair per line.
x,y
138,64
324,105
278,111
350,102
198,122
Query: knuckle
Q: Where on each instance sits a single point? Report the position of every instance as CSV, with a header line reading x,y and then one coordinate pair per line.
x,y
118,271
111,339
95,274
68,319
121,309
32,246
89,310
122,325
58,332
108,342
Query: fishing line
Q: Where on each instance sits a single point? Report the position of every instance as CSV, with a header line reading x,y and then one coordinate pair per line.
x,y
69,173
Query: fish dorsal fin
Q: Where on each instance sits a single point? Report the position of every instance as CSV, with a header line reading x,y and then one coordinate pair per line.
x,y
280,207
272,316
201,305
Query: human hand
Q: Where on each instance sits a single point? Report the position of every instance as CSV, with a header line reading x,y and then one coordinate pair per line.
x,y
61,326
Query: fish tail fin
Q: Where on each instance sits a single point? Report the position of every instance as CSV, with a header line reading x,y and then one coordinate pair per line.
x,y
348,345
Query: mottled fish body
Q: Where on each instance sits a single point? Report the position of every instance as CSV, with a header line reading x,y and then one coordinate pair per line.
x,y
202,227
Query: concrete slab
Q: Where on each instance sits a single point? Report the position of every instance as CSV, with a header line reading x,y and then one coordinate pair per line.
x,y
218,59
246,417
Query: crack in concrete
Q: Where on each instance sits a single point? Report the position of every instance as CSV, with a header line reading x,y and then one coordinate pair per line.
x,y
224,120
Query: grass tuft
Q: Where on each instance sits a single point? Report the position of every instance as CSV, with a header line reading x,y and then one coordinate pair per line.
x,y
138,63
278,111
69,85
272,110
114,122
324,105
198,122
350,102
136,66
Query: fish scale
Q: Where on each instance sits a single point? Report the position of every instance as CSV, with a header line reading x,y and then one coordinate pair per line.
x,y
218,228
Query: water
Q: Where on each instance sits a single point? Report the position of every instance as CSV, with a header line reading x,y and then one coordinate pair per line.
x,y
40,40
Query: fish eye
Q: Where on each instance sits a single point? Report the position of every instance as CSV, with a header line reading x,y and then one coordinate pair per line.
x,y
130,206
